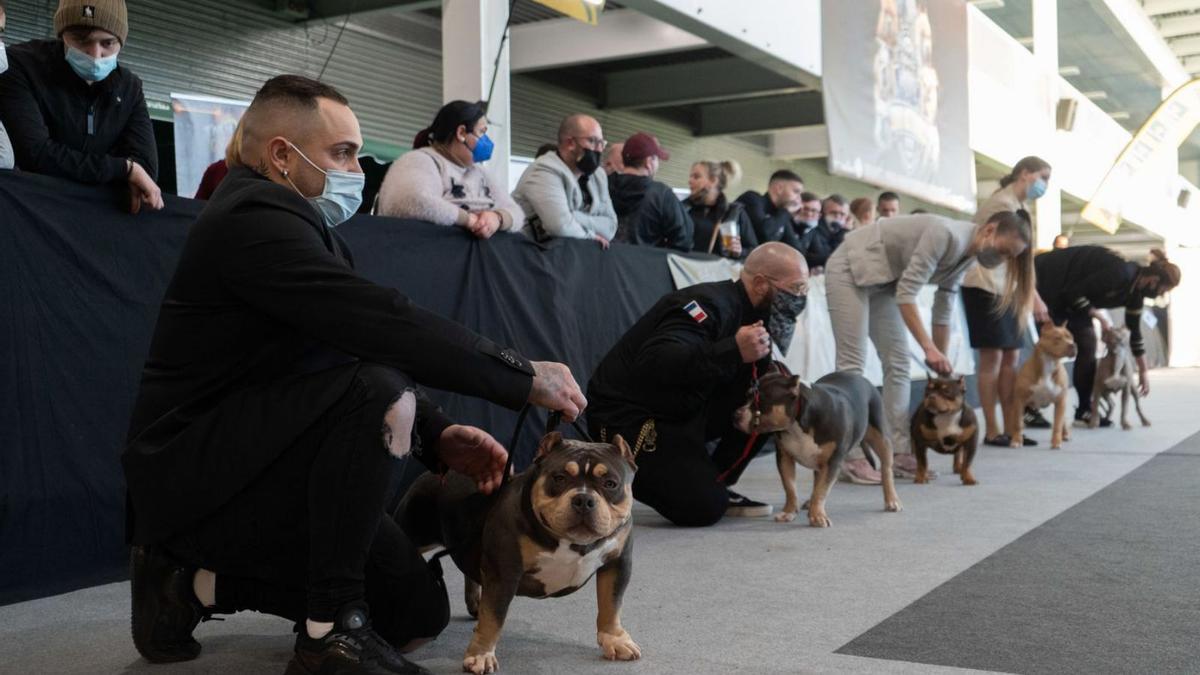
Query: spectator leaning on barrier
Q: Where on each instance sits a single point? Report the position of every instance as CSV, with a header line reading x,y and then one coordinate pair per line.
x,y
442,182
6,151
863,211
828,234
72,111
708,208
889,205
562,192
612,158
771,214
648,211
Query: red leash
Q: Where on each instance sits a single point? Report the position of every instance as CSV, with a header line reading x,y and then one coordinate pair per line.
x,y
754,434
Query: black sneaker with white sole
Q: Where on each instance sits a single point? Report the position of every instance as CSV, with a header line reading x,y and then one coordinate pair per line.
x,y
741,506
1034,419
1084,420
351,648
165,608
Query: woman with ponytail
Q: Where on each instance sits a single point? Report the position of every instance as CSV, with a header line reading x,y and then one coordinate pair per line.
x,y
709,207
996,329
442,181
1078,281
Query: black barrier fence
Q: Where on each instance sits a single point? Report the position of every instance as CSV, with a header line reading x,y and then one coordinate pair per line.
x,y
82,282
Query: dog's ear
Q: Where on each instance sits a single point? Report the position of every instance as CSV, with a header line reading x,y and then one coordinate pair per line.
x,y
626,451
1062,325
794,384
549,442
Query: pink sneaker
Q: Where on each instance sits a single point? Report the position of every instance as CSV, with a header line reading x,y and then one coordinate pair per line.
x,y
905,466
860,472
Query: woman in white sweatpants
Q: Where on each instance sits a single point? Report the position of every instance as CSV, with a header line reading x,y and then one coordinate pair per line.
x,y
872,282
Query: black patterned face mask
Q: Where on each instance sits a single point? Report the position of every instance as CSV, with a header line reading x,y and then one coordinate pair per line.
x,y
785,308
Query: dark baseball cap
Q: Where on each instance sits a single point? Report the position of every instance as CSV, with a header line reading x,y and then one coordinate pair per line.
x,y
642,145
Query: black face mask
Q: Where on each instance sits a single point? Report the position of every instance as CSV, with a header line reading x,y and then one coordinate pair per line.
x,y
589,162
781,323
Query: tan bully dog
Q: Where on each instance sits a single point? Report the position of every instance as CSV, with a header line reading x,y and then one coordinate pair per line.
x,y
1041,381
1115,373
945,424
815,427
550,529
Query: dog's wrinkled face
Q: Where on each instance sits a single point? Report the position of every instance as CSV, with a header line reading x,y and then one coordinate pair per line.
x,y
944,394
1116,336
583,491
1057,342
775,410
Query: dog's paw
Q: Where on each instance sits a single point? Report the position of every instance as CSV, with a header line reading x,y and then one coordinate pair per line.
x,y
618,647
969,479
1145,423
479,664
819,520
894,506
921,478
785,516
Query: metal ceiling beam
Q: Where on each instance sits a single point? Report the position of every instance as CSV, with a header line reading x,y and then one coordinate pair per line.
x,y
695,82
1156,7
1185,46
1180,25
757,115
621,34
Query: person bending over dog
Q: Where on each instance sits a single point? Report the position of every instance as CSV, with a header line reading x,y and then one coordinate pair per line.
x,y
872,282
1075,282
673,382
279,387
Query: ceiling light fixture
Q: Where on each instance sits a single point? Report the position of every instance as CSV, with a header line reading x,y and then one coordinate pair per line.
x,y
988,4
1119,115
1068,71
1098,95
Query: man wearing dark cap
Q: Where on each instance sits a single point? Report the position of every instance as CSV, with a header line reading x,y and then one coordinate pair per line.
x,y
648,212
72,111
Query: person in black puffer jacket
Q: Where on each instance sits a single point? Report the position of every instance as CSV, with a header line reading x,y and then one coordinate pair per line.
x,y
648,212
708,208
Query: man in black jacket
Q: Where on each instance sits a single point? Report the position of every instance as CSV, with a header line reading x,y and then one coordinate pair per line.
x,y
772,213
71,111
1076,282
648,212
278,388
828,234
673,381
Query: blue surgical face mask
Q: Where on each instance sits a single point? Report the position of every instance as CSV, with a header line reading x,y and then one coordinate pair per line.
x,y
89,68
482,151
1037,189
342,194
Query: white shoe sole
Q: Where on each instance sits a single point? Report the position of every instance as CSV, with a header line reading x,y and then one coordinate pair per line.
x,y
749,511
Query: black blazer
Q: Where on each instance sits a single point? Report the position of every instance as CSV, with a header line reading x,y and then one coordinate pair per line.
x,y
264,291
1073,280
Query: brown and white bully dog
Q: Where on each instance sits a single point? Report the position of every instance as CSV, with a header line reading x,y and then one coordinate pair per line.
x,y
815,427
1115,373
550,529
1041,381
945,424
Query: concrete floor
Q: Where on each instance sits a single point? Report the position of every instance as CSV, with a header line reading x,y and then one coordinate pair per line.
x,y
746,596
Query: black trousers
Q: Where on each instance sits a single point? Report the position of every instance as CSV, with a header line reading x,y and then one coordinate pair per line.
x,y
1084,373
679,479
309,534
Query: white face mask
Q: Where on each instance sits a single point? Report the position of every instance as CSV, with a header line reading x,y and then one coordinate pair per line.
x,y
342,194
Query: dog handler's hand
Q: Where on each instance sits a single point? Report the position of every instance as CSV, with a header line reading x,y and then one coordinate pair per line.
x,y
474,453
753,342
554,388
937,361
1143,380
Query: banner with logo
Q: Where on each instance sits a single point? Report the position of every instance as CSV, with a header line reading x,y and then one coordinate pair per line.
x,y
894,78
203,127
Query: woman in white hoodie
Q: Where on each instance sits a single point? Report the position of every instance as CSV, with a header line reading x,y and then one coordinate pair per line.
x,y
442,181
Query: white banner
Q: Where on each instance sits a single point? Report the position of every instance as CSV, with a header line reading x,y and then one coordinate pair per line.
x,y
894,83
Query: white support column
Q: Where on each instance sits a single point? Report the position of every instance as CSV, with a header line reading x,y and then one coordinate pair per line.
x,y
1045,50
471,33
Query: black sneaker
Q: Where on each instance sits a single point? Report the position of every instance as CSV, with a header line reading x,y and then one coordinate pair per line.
x,y
165,608
351,647
1035,420
744,507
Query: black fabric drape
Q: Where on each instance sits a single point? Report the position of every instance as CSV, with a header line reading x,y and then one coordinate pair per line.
x,y
82,282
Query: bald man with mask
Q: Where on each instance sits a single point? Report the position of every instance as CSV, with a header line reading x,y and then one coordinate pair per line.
x,y
279,392
671,384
